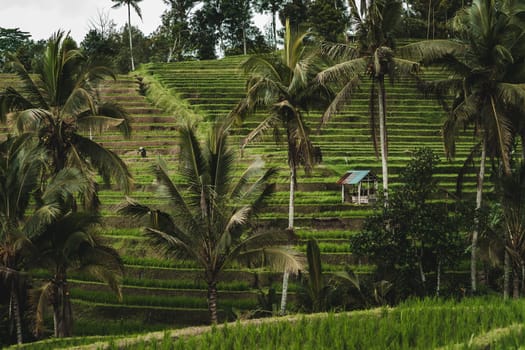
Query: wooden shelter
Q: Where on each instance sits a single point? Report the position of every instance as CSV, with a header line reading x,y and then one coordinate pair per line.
x,y
362,186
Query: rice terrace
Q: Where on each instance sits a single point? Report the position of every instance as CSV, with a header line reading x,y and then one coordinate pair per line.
x,y
350,176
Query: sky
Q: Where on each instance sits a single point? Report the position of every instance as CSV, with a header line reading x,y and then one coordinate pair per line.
x,y
41,18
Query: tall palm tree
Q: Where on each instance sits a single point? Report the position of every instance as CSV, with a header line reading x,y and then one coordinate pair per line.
x,y
212,213
375,22
60,101
69,243
487,72
135,5
20,173
22,165
285,86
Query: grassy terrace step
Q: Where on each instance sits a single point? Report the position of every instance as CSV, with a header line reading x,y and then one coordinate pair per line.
x,y
137,295
145,314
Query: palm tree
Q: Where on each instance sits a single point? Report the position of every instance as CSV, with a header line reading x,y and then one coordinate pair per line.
x,y
285,85
22,165
129,4
60,101
69,243
20,171
212,216
375,22
487,67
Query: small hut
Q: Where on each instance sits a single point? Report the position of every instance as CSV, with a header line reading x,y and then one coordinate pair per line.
x,y
362,186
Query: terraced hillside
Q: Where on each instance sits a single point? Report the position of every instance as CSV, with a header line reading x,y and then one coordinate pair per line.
x,y
157,290
213,88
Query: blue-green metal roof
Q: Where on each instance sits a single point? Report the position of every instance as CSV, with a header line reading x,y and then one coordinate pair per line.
x,y
353,177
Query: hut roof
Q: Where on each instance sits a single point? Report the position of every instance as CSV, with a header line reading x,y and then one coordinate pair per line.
x,y
353,177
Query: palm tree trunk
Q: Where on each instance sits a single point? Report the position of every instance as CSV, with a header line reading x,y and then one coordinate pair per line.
x,y
244,38
516,284
475,233
522,266
438,277
506,274
284,294
291,214
130,41
274,31
428,19
62,313
15,309
212,301
291,202
383,136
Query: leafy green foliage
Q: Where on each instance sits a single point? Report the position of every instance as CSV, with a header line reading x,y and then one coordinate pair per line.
x,y
58,102
328,18
11,39
412,235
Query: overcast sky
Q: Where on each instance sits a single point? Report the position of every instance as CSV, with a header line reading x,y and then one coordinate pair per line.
x,y
41,18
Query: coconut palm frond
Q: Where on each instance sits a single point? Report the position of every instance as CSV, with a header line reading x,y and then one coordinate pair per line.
x,y
97,74
107,163
253,239
427,51
263,92
132,208
344,71
261,66
29,88
441,90
156,218
100,271
349,276
98,123
467,168
337,51
275,258
255,192
341,99
42,217
221,159
62,185
30,119
457,120
175,244
267,124
40,299
78,101
169,190
117,112
12,100
239,217
511,95
405,67
192,158
105,264
253,169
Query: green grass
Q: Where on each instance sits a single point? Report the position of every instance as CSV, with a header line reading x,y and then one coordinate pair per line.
x,y
473,323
